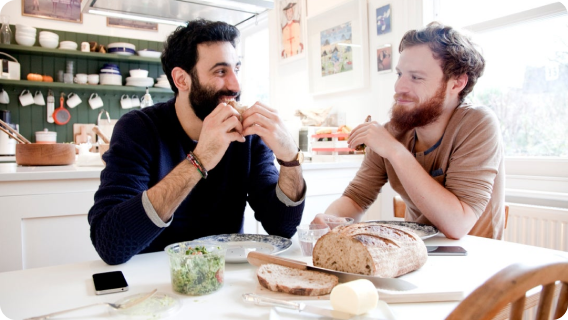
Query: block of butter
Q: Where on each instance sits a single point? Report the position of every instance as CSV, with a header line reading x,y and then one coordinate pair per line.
x,y
356,297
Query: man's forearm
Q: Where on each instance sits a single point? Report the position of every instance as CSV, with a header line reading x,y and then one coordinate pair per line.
x,y
291,182
452,216
168,194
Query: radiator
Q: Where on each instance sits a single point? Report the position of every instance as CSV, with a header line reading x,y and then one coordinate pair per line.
x,y
540,226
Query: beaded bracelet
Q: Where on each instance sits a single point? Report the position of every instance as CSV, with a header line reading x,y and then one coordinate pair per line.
x,y
193,159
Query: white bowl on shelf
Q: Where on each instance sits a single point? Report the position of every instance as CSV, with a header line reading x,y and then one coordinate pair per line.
x,y
139,82
121,45
48,35
68,45
48,43
149,53
110,79
138,73
25,40
22,27
26,33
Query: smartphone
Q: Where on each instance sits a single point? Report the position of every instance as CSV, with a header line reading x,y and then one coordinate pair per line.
x,y
446,251
109,282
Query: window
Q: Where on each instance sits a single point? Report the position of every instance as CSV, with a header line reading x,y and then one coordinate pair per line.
x,y
254,75
525,44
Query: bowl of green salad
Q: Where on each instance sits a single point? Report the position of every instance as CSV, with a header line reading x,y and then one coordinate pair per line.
x,y
196,267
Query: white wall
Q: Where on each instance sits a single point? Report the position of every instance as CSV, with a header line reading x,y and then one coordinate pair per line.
x,y
93,24
290,81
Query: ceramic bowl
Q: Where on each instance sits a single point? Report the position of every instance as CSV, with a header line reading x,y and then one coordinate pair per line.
x,y
48,35
138,73
48,43
69,45
121,45
26,33
21,27
110,79
25,40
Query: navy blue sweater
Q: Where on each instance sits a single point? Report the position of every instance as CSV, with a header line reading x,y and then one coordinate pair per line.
x,y
145,146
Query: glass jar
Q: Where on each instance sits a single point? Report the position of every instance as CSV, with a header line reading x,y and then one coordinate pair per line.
x,y
5,30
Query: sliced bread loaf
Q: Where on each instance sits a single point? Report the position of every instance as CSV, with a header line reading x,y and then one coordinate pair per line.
x,y
295,281
372,249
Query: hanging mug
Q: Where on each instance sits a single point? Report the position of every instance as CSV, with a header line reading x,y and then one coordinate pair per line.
x,y
38,99
135,101
4,97
73,100
95,101
125,102
26,98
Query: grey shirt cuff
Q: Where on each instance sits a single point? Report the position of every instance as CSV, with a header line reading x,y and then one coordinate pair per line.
x,y
285,200
152,214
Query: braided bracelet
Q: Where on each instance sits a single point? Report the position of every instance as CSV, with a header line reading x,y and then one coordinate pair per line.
x,y
193,159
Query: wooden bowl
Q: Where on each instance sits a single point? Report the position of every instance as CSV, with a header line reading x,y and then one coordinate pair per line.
x,y
57,154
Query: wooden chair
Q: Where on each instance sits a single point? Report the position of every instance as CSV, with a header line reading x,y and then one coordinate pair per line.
x,y
399,208
507,290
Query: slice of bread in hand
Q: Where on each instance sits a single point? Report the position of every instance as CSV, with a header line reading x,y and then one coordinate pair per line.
x,y
295,281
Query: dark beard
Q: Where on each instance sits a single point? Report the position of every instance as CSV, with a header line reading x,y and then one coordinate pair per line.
x,y
422,115
204,100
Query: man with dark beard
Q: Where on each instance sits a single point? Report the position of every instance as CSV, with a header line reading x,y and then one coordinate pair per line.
x,y
186,168
443,156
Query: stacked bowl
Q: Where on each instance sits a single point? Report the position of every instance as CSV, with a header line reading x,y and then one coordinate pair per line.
x,y
139,78
163,82
110,75
25,36
48,39
122,48
68,45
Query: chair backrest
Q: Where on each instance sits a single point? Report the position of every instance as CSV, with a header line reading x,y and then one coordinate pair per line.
x,y
510,285
399,208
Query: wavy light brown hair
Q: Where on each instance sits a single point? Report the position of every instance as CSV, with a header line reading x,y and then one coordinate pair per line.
x,y
456,52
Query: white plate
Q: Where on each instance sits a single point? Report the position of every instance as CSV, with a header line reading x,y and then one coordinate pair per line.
x,y
149,53
121,45
382,311
121,53
239,245
422,230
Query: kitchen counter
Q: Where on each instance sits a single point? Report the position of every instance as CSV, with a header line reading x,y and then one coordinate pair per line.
x,y
14,172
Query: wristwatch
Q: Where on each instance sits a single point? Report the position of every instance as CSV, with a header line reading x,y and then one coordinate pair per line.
x,y
294,163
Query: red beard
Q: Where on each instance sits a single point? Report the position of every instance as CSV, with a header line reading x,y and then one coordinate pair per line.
x,y
421,115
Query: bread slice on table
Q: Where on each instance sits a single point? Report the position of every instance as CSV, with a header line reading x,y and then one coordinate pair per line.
x,y
295,281
372,249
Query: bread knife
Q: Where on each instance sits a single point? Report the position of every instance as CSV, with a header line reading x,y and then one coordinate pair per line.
x,y
302,307
258,258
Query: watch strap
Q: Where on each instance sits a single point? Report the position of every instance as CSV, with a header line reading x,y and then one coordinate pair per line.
x,y
293,163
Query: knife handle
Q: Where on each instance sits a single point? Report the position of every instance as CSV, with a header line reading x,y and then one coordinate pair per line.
x,y
258,258
265,301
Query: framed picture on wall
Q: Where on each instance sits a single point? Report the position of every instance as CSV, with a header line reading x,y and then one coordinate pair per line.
x,y
384,58
339,55
131,24
384,19
292,31
63,10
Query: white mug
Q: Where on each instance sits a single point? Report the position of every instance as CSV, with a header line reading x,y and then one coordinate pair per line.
x,y
85,47
125,102
135,101
73,100
38,99
4,97
80,78
95,101
26,98
93,79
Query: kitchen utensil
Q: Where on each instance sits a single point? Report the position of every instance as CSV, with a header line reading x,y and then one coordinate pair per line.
x,y
38,98
68,77
10,69
95,101
36,154
93,79
13,133
61,116
135,101
46,137
106,126
85,47
100,134
302,307
50,106
80,78
258,258
26,98
73,100
4,97
125,102
125,305
146,100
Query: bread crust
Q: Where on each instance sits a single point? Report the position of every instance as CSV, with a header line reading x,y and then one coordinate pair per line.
x,y
295,281
372,249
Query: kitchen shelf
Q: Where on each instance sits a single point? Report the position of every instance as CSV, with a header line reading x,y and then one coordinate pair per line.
x,y
75,53
72,86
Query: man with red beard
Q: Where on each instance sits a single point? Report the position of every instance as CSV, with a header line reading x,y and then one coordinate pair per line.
x,y
186,168
442,155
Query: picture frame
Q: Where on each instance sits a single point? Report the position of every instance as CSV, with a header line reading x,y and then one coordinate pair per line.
x,y
384,58
62,10
339,49
131,24
292,23
384,19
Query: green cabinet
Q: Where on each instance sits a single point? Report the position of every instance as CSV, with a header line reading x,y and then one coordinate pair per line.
x,y
46,61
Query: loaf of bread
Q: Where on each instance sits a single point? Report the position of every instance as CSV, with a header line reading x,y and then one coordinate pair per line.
x,y
239,107
372,249
295,281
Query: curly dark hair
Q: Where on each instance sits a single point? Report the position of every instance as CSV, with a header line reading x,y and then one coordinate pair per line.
x,y
180,49
456,51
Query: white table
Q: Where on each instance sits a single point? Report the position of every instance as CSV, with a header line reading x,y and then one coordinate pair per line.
x,y
34,292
